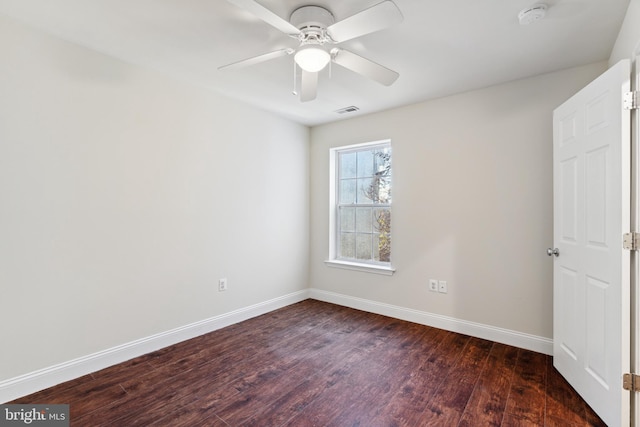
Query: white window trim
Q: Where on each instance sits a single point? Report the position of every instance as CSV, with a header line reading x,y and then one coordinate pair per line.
x,y
333,261
357,266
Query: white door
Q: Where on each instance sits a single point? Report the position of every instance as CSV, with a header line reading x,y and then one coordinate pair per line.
x,y
591,174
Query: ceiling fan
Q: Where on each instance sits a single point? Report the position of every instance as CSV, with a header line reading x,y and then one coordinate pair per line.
x,y
314,27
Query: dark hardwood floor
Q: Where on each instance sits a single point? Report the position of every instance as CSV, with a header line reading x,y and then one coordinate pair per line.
x,y
318,364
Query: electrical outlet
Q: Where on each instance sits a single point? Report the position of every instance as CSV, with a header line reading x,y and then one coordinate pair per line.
x,y
442,286
222,284
433,285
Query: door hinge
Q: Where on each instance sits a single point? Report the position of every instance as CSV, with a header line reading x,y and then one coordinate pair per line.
x,y
630,241
630,100
631,382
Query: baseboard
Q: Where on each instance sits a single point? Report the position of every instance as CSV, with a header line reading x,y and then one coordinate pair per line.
x,y
32,382
504,336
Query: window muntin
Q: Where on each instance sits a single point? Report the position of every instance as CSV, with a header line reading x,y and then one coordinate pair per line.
x,y
363,204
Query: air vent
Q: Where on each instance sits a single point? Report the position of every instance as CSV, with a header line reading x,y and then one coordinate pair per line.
x,y
350,109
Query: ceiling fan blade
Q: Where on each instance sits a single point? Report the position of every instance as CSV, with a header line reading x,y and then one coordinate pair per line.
x,y
257,59
267,16
375,18
309,86
364,66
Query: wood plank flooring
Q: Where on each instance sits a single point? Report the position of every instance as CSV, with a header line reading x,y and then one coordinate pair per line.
x,y
318,364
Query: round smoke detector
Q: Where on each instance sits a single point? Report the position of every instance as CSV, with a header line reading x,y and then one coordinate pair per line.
x,y
532,14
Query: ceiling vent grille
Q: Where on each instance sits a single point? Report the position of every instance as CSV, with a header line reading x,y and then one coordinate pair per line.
x,y
350,109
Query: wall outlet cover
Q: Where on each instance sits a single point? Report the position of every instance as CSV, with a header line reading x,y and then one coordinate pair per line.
x,y
442,286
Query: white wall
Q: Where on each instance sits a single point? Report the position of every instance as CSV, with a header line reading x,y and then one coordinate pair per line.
x,y
472,203
627,44
125,195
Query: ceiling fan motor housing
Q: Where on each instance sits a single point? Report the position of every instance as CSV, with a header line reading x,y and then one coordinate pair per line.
x,y
312,21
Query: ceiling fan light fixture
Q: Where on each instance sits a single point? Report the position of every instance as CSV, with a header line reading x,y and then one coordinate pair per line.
x,y
312,58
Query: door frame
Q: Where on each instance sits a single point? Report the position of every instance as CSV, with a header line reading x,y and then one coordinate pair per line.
x,y
635,226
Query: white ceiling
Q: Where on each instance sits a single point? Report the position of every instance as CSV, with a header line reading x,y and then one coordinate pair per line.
x,y
441,47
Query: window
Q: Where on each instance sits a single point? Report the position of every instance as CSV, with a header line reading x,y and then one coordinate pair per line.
x,y
361,207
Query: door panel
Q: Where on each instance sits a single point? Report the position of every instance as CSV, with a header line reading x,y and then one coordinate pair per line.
x,y
567,296
591,273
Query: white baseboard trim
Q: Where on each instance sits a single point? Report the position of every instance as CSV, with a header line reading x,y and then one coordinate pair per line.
x,y
32,382
492,333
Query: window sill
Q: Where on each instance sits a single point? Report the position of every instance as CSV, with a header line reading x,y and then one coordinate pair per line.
x,y
366,268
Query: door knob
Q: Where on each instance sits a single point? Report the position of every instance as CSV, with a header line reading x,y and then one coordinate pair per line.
x,y
553,251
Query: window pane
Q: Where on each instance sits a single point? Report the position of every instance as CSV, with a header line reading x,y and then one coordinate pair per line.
x,y
382,226
348,245
385,190
376,248
363,246
364,220
382,160
365,163
365,190
348,191
347,219
348,165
